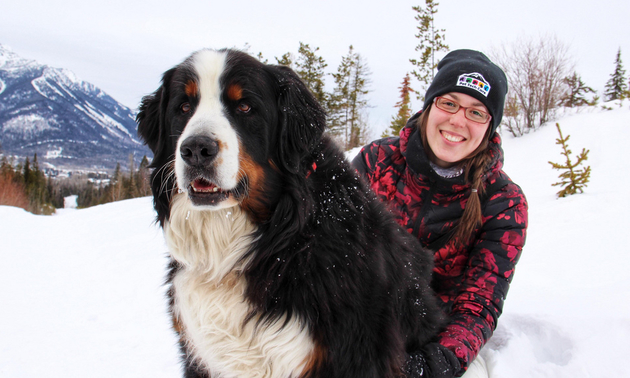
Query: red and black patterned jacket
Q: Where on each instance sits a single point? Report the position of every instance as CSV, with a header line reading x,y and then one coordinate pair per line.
x,y
472,281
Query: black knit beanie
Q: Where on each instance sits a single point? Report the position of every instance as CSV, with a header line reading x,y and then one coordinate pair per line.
x,y
472,73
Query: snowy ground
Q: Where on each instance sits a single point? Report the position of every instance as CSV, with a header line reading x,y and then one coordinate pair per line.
x,y
83,296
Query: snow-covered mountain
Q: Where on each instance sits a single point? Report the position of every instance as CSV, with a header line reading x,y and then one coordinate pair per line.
x,y
66,121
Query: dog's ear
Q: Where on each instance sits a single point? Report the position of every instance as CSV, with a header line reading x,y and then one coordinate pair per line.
x,y
152,128
301,118
151,117
148,119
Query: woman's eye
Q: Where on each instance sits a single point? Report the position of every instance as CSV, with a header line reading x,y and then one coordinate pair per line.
x,y
449,104
185,107
243,107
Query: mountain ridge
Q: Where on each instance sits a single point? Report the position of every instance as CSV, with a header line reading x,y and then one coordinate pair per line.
x,y
66,121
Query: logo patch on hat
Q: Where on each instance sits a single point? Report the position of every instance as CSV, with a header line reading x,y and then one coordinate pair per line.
x,y
474,81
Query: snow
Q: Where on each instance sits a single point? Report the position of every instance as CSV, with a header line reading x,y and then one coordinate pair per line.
x,y
70,202
105,121
28,125
54,154
82,290
83,293
46,88
9,59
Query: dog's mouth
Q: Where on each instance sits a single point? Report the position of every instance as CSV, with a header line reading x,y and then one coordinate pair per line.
x,y
201,185
202,192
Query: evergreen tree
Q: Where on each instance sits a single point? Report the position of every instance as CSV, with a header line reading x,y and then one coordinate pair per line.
x,y
31,181
33,187
116,186
285,60
131,190
358,102
572,179
432,41
576,92
338,104
310,67
348,101
143,177
261,58
616,87
26,173
404,108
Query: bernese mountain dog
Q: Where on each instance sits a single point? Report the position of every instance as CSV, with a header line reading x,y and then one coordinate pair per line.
x,y
283,263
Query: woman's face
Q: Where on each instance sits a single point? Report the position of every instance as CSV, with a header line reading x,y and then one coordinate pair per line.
x,y
452,137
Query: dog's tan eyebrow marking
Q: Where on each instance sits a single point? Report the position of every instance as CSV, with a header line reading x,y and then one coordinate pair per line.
x,y
192,89
235,92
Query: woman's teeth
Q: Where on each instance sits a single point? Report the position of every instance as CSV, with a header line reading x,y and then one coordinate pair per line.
x,y
452,138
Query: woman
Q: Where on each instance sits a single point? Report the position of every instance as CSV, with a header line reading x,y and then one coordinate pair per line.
x,y
443,179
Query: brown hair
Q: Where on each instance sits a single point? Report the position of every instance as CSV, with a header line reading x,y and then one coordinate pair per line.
x,y
474,166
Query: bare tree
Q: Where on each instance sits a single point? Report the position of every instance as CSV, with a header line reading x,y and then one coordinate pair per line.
x,y
12,192
535,71
511,120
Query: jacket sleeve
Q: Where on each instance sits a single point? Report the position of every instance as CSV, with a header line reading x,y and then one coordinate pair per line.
x,y
364,162
488,274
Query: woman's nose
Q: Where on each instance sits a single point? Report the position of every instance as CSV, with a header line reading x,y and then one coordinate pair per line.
x,y
459,117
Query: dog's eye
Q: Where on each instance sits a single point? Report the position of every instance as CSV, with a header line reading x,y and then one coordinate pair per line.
x,y
244,108
185,107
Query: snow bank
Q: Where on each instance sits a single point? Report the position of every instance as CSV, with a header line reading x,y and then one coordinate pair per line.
x,y
82,290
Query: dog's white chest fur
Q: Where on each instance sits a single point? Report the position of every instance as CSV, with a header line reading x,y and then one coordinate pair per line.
x,y
210,303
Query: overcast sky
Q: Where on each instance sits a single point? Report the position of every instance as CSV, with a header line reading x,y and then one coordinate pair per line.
x,y
123,46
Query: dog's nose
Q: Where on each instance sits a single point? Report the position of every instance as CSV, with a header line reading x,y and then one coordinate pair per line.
x,y
199,150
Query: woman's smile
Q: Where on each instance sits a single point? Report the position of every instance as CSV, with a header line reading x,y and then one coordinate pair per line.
x,y
452,137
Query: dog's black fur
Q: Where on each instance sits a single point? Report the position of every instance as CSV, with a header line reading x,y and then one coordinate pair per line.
x,y
324,250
